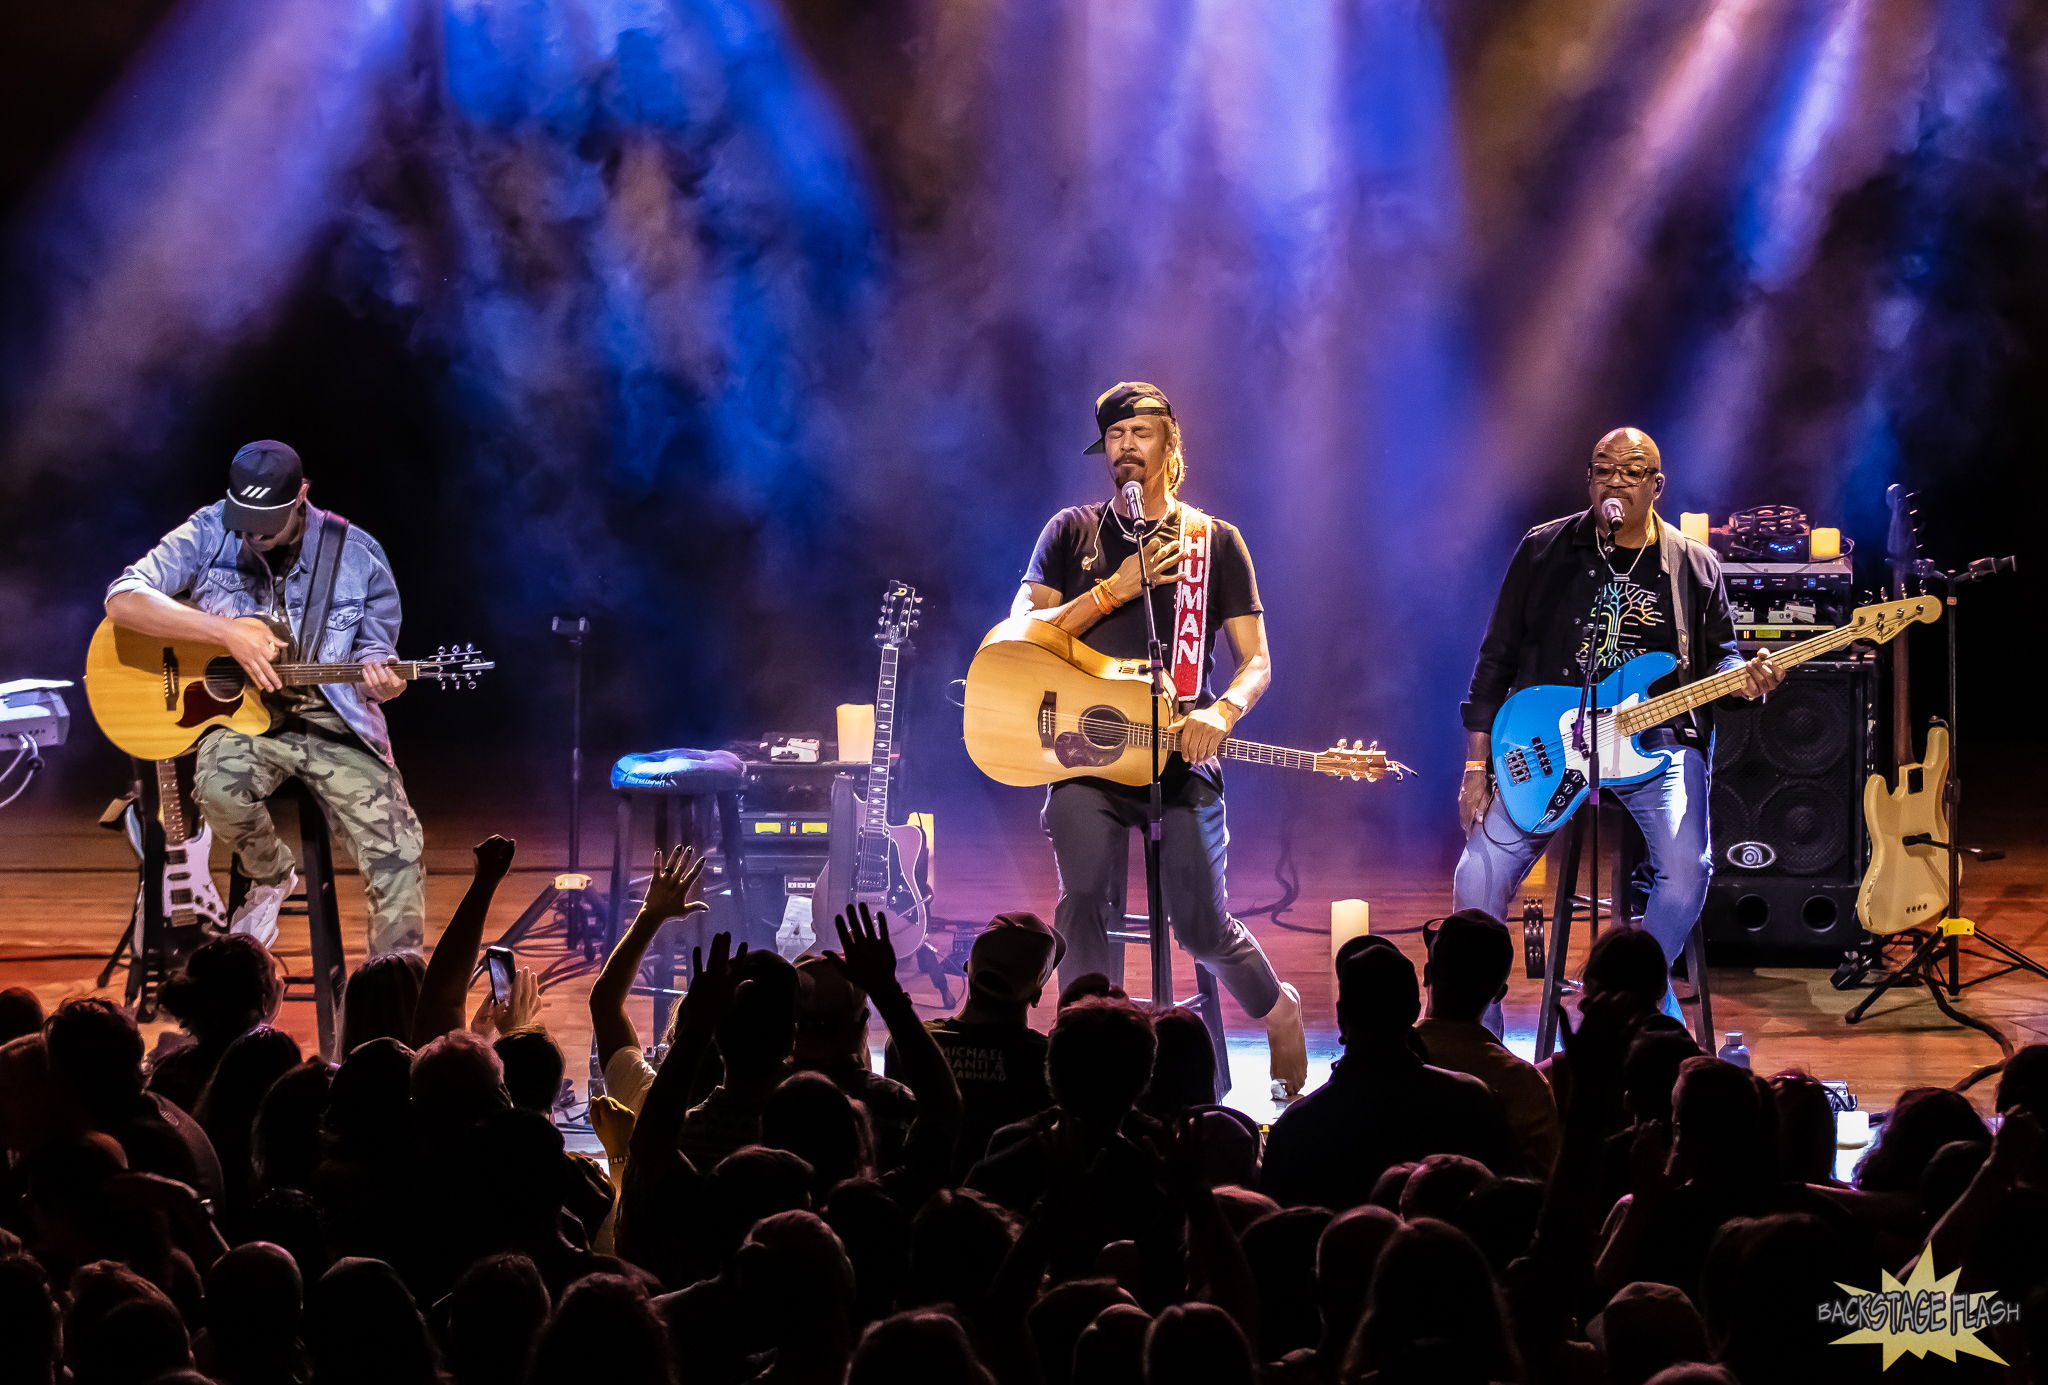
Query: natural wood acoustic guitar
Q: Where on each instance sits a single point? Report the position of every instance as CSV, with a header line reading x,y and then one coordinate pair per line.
x,y
1041,707
155,697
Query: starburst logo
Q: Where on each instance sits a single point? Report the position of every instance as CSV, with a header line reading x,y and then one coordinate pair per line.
x,y
1924,1315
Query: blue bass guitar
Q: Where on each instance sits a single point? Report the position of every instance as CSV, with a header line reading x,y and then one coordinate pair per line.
x,y
1543,737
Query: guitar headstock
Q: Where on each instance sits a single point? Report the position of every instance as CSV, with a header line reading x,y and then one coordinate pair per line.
x,y
1346,760
1885,619
899,617
455,667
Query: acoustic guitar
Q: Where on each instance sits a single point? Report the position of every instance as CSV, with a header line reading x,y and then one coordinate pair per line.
x,y
1542,740
156,697
1905,885
1041,707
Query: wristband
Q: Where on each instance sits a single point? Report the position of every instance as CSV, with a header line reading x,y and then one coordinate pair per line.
x,y
1103,601
1471,765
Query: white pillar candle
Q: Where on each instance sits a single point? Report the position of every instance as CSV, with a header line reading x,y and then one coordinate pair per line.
x,y
856,731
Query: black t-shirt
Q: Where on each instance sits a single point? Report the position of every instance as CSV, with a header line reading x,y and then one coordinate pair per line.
x,y
1084,544
1001,1072
1622,608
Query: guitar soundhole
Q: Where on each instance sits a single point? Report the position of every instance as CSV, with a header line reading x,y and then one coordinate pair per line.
x,y
1104,727
224,679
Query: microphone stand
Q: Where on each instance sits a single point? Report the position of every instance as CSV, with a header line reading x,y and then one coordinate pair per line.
x,y
1161,946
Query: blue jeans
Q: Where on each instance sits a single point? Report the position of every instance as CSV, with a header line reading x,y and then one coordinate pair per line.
x,y
1671,808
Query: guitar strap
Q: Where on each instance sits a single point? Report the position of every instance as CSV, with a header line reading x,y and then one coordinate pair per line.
x,y
326,563
1191,604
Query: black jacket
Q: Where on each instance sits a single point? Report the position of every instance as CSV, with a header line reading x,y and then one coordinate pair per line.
x,y
1534,637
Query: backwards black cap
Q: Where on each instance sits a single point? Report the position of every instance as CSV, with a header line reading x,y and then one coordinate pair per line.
x,y
1126,399
263,485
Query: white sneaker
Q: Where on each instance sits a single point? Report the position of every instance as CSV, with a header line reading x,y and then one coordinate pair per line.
x,y
258,915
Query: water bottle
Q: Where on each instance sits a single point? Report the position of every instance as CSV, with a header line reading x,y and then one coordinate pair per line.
x,y
1732,1050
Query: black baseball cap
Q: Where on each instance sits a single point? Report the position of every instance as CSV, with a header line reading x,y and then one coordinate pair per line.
x,y
1126,399
263,486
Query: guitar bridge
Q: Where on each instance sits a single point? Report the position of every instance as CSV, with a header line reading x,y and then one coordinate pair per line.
x,y
1517,765
170,679
1047,727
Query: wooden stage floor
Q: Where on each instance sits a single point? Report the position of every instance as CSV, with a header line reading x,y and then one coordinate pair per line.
x,y
66,887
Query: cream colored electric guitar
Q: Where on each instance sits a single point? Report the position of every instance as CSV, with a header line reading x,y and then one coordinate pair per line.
x,y
1906,886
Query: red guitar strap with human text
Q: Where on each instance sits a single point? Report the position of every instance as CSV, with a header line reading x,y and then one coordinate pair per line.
x,y
1191,604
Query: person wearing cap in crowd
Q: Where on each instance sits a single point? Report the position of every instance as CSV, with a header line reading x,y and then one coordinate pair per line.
x,y
1470,956
997,1058
1085,577
238,574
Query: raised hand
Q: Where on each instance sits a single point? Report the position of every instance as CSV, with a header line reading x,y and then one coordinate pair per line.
x,y
866,957
494,857
717,985
668,888
612,1122
522,1009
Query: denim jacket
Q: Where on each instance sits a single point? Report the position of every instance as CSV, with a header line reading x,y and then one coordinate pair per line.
x,y
203,565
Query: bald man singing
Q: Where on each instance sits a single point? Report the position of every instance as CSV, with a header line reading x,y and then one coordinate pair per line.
x,y
1582,596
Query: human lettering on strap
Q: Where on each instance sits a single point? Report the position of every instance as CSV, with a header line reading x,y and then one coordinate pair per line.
x,y
1191,605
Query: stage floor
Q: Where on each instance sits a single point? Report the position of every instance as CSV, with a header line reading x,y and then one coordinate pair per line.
x,y
66,887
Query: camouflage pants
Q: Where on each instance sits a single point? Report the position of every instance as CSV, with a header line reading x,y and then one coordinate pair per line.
x,y
362,798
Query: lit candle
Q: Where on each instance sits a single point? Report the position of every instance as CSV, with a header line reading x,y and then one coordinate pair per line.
x,y
856,731
1693,525
1349,918
1825,544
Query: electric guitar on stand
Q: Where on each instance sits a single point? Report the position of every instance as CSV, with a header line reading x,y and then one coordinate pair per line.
x,y
1906,883
885,867
190,898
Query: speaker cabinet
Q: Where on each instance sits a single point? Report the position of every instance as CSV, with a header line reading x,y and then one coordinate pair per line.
x,y
1786,811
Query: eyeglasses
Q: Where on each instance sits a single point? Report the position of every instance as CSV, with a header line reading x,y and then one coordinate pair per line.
x,y
1626,475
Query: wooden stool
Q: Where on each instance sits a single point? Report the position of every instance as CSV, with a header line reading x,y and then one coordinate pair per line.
x,y
1618,827
315,903
693,784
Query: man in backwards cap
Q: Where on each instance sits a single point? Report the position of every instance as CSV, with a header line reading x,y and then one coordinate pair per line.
x,y
1085,578
235,574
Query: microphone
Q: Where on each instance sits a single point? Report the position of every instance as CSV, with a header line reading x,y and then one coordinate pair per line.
x,y
1612,513
1134,500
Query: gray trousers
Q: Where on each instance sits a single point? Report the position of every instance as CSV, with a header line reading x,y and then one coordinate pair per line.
x,y
1090,826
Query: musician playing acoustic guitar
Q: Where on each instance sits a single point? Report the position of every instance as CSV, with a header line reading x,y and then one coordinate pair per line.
x,y
1084,577
229,575
1655,590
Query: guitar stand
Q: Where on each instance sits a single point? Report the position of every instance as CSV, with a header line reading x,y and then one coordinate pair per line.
x,y
1921,967
146,939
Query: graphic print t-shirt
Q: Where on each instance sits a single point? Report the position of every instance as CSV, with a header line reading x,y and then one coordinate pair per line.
x,y
1084,544
1626,611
